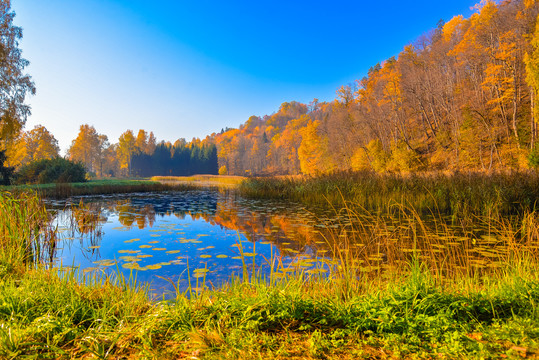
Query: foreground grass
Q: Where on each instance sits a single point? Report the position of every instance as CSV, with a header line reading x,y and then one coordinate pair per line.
x,y
46,315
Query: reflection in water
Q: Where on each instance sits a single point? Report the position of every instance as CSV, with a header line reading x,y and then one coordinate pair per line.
x,y
211,235
160,234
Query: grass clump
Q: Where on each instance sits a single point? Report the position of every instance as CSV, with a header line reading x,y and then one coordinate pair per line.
x,y
25,235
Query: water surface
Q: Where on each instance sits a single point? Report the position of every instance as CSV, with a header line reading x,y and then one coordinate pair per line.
x,y
170,237
201,238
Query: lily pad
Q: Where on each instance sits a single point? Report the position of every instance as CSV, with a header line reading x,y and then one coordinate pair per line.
x,y
105,262
131,265
129,258
128,251
201,270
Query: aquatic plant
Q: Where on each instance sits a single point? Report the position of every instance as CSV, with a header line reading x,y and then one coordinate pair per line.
x,y
457,194
26,237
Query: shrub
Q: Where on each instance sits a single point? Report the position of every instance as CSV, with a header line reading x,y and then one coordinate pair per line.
x,y
45,171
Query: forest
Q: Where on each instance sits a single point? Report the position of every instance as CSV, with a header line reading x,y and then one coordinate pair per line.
x,y
461,97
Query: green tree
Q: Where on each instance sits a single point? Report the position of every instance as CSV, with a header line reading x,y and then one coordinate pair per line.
x,y
6,172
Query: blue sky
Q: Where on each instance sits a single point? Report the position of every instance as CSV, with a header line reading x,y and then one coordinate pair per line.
x,y
189,68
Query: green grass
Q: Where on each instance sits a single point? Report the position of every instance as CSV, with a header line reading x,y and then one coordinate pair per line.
x,y
97,187
54,316
416,305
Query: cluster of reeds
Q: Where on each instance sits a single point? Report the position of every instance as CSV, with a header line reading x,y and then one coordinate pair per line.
x,y
26,237
206,181
459,194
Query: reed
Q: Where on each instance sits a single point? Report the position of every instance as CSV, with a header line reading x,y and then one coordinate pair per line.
x,y
458,194
204,181
26,239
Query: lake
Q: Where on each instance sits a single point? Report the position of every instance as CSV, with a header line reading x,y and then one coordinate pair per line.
x,y
166,238
193,239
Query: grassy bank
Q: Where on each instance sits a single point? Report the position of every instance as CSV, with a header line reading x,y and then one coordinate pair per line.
x,y
458,194
42,314
97,187
420,303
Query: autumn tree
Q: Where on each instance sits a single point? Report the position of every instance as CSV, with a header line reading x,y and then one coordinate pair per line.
x,y
86,147
126,149
15,84
33,145
532,78
462,96
141,141
313,151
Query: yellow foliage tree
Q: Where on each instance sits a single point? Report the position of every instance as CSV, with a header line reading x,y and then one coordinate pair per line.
x,y
126,148
85,147
36,144
313,151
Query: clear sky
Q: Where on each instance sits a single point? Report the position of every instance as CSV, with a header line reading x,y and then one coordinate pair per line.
x,y
189,68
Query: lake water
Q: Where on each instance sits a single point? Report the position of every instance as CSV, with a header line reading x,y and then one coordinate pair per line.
x,y
200,238
169,237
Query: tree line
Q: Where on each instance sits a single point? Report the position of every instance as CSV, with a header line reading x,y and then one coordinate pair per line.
x,y
131,156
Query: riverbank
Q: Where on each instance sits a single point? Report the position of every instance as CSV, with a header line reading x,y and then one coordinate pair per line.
x,y
50,316
98,187
419,307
